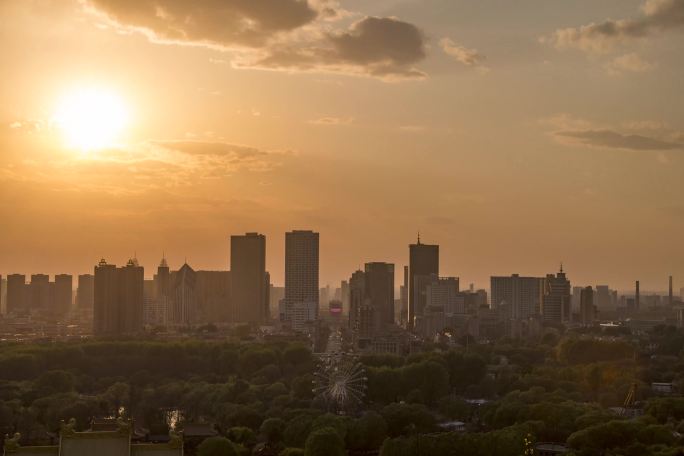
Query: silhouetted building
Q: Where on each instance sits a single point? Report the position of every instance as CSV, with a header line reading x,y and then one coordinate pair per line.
x,y
85,292
17,291
119,297
587,307
521,295
404,297
423,264
637,297
248,272
556,298
380,291
40,292
301,278
63,295
184,302
213,295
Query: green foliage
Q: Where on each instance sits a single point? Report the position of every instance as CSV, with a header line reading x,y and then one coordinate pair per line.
x,y
325,441
216,446
575,351
272,430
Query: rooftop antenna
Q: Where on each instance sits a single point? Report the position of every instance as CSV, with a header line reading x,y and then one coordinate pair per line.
x,y
418,237
561,269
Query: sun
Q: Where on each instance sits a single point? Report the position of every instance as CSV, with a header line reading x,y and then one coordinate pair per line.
x,y
90,118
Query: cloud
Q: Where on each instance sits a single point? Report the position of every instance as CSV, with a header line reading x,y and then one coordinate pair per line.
x,y
628,63
383,47
145,166
610,139
223,24
657,16
468,57
291,35
332,121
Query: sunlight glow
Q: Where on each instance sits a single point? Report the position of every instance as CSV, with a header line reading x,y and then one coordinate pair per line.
x,y
90,119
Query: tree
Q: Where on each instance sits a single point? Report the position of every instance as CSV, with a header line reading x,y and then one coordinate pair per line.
x,y
272,430
216,446
367,432
324,442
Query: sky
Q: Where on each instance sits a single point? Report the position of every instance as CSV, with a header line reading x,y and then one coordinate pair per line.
x,y
515,135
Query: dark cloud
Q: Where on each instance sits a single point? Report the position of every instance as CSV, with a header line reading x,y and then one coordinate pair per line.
x,y
384,47
658,16
225,23
290,35
614,140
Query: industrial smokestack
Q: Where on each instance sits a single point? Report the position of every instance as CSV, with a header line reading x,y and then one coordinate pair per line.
x,y
670,295
636,301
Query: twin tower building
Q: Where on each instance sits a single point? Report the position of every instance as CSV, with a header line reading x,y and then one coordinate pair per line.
x,y
124,302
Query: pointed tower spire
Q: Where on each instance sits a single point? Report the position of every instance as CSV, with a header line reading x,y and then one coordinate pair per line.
x,y
418,237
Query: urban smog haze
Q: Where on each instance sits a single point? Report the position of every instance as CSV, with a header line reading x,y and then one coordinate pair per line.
x,y
342,227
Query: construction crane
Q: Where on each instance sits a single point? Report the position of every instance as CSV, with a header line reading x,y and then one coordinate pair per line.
x,y
630,400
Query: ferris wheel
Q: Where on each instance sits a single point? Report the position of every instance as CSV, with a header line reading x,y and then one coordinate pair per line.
x,y
340,382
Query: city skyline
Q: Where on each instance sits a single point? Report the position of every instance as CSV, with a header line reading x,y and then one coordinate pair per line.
x,y
384,119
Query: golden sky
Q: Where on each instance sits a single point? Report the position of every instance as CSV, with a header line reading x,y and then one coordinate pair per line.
x,y
514,134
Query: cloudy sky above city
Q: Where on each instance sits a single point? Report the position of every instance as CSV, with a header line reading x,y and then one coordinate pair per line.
x,y
514,134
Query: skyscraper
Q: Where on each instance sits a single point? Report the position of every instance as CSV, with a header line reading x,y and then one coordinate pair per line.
x,y
587,307
40,292
521,295
423,263
17,300
248,272
380,293
63,294
119,298
556,298
301,277
85,292
183,298
106,299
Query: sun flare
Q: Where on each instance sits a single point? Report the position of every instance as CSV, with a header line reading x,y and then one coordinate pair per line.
x,y
91,119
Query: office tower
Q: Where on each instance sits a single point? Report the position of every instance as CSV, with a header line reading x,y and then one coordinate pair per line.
x,y
63,294
403,297
423,264
521,296
119,298
301,278
324,296
131,288
357,297
184,304
637,297
248,271
40,292
162,280
275,295
17,299
587,307
213,296
681,293
669,300
604,298
344,296
380,293
443,295
556,298
85,292
106,299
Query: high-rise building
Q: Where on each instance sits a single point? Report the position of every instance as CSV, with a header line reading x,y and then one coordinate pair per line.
x,y
183,299
3,295
380,293
344,296
669,300
556,298
521,296
119,298
248,271
64,290
301,278
106,299
604,298
40,292
637,296
17,291
85,292
212,296
404,297
443,295
423,264
357,304
587,307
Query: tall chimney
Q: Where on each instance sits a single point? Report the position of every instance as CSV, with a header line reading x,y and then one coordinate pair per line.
x,y
670,295
636,301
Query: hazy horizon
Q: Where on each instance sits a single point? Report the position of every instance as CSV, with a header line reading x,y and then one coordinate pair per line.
x,y
546,132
